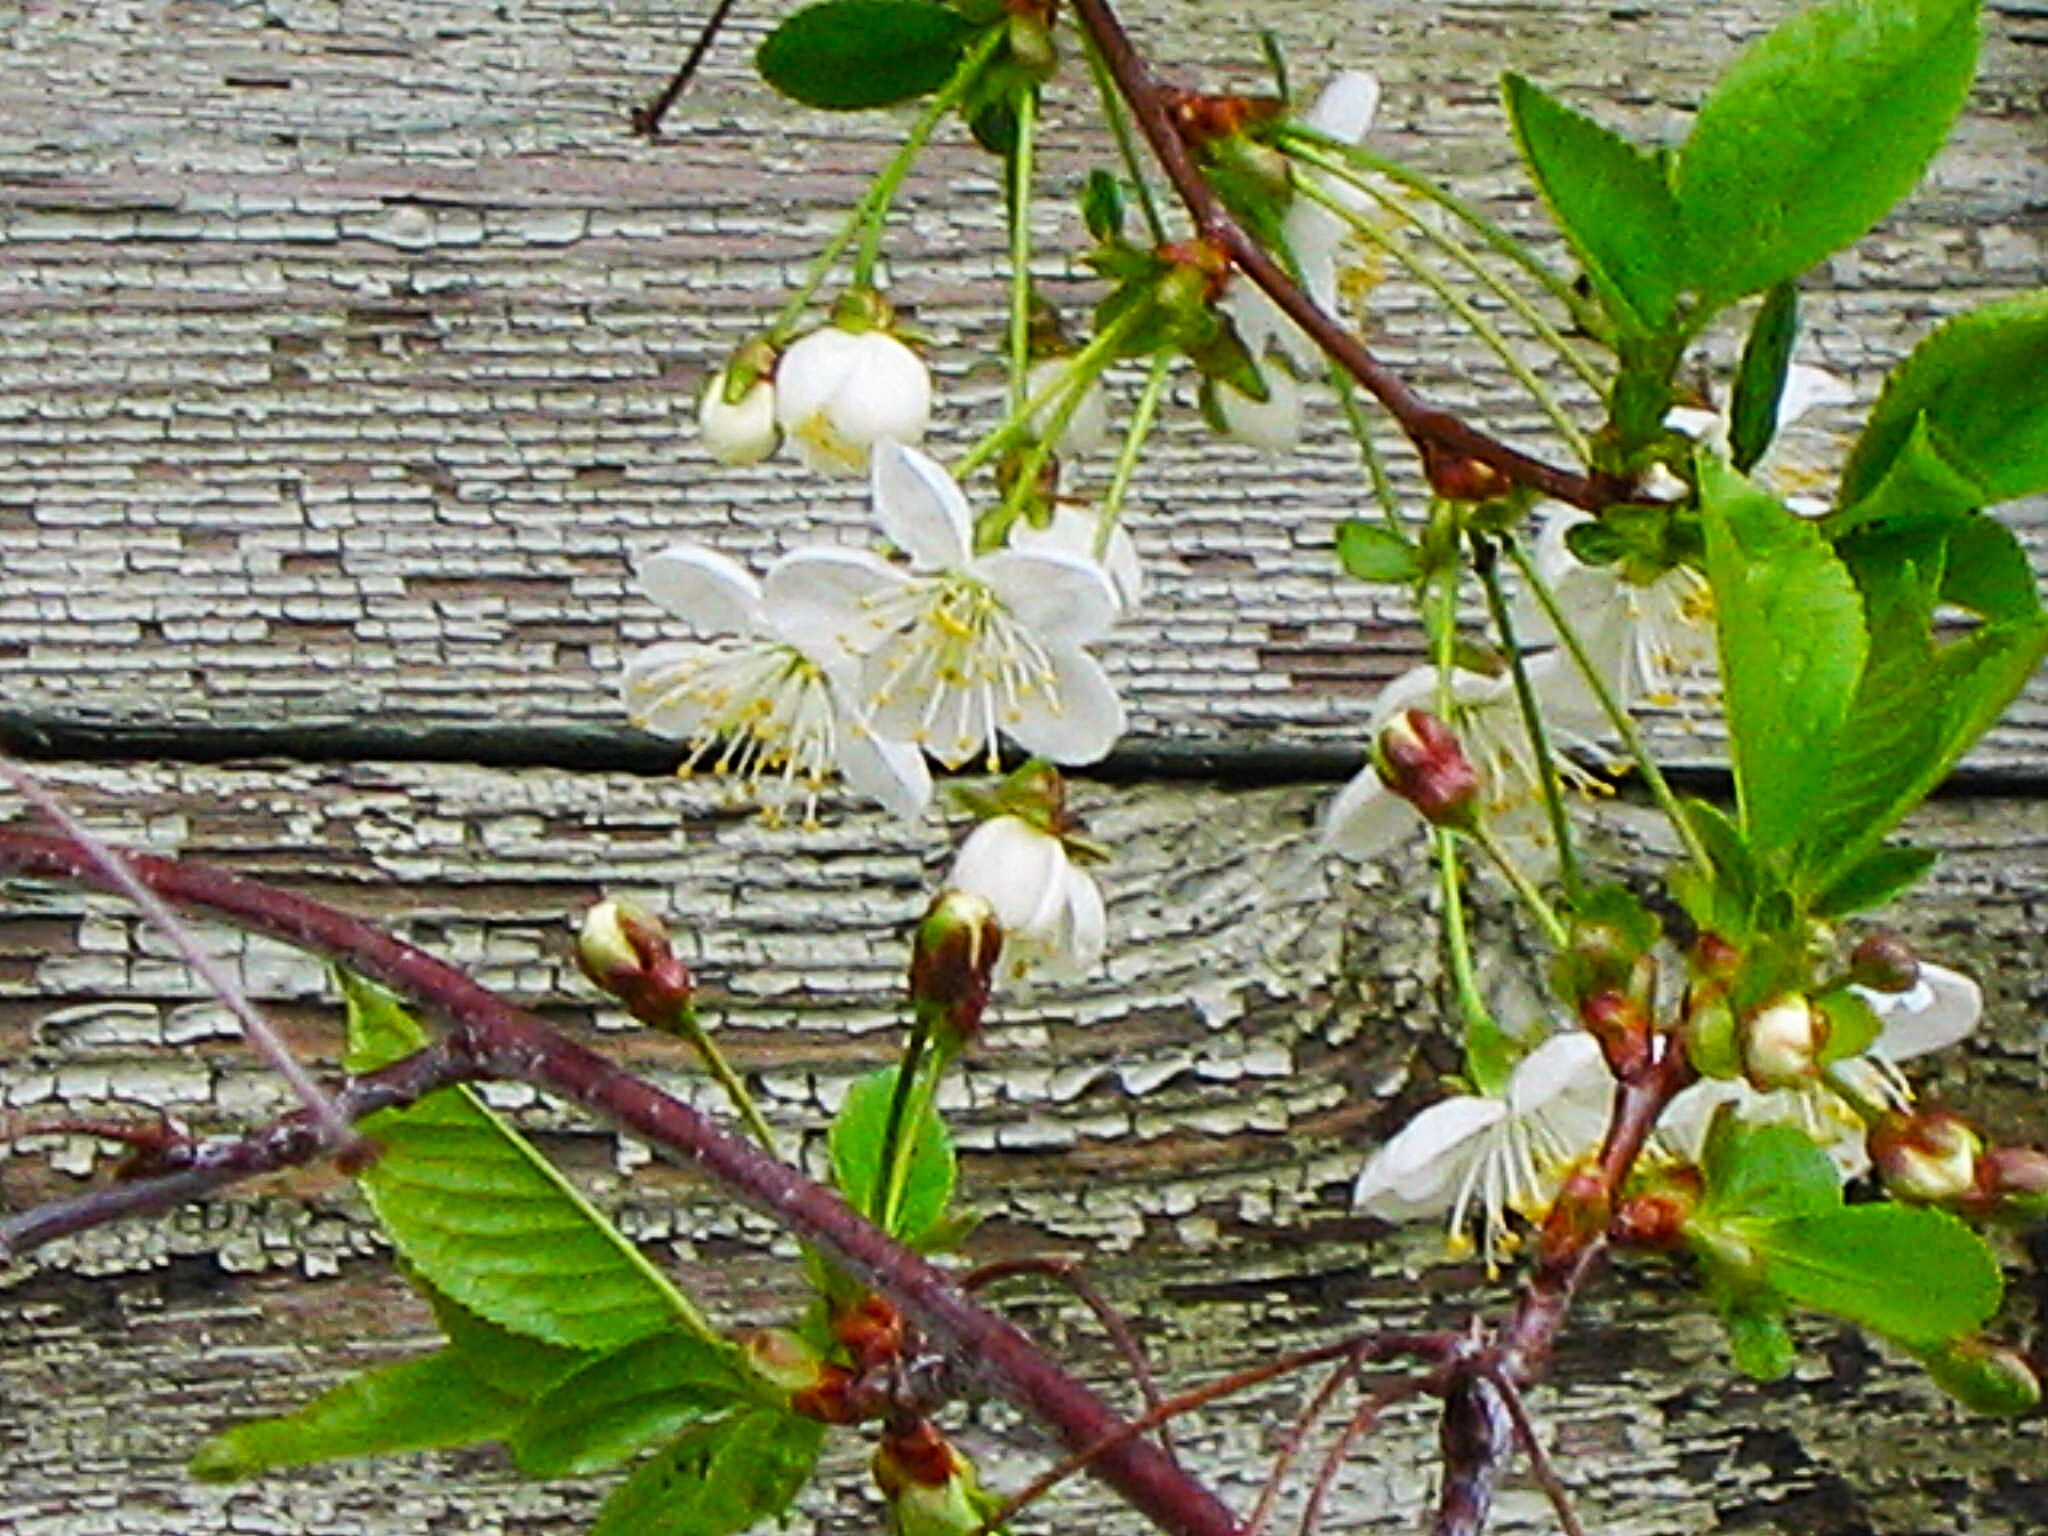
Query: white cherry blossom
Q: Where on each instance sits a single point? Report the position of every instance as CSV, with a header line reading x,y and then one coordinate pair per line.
x,y
1367,818
1073,531
1489,1154
1806,389
839,392
755,701
739,431
1050,909
961,646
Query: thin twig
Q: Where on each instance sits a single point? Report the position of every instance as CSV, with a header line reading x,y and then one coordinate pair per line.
x,y
647,117
1304,1424
1539,1459
1355,1427
1071,1274
1474,1436
114,866
491,1039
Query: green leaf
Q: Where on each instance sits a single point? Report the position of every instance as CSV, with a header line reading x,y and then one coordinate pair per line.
x,y
1877,878
1102,205
417,1405
1853,1025
1757,1340
717,1479
1814,132
1375,552
855,1143
1763,1173
1760,379
1611,199
1983,1377
1916,1274
1920,492
642,1392
848,55
1792,648
1987,570
1981,382
487,1221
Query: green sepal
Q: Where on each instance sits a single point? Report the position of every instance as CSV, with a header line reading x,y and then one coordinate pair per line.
x,y
1853,1025
1103,205
1372,551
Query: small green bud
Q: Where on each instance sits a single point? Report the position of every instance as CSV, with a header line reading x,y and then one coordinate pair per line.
x,y
1985,1376
1928,1157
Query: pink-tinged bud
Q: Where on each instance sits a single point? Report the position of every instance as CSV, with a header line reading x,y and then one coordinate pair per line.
x,y
1985,1376
1418,757
625,951
2012,1184
1656,1217
1622,1027
1709,1031
931,1488
1929,1157
1884,962
783,1360
1714,958
952,962
871,1331
1782,1042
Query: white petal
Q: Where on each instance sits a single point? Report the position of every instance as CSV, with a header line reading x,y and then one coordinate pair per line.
x,y
1084,929
1272,425
1810,389
1075,720
1087,423
1015,868
1367,818
1708,428
887,395
1937,1011
1564,1067
711,593
1682,1128
920,507
811,373
1072,532
821,601
1418,1172
1346,107
742,431
1065,598
649,684
890,772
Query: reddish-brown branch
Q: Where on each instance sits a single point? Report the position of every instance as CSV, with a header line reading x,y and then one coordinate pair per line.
x,y
1436,432
489,1038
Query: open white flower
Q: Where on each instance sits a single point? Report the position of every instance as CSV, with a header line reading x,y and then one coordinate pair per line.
x,y
1313,234
1939,1010
961,646
1806,389
839,392
1073,531
1649,640
1050,909
753,699
1504,1152
1367,818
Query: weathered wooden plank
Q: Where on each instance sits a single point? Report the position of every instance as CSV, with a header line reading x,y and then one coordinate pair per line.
x,y
1193,1119
348,353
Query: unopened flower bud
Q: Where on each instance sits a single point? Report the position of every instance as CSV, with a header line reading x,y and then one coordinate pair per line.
x,y
1985,1376
1884,962
1782,1042
1087,424
931,1488
1928,1157
1622,1026
1031,44
1714,958
871,1331
1709,1031
782,1359
624,950
1418,757
2012,1183
1655,1217
741,431
952,963
1455,477
840,391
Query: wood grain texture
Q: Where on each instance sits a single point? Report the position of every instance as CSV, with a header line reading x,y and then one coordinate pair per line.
x,y
1193,1119
347,353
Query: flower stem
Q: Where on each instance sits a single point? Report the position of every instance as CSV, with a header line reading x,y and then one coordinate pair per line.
x,y
1297,138
1073,381
1623,722
888,1175
691,1027
1126,141
1463,308
1552,925
1375,466
1020,248
872,211
1486,561
1465,257
1127,460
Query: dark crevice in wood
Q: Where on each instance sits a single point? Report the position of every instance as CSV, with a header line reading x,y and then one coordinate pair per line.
x,y
50,737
